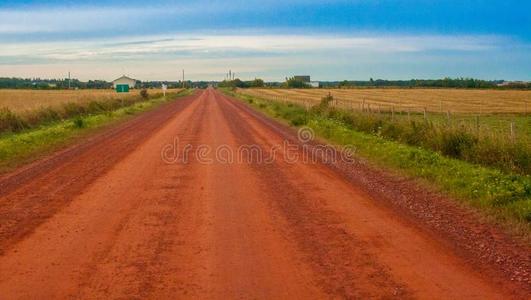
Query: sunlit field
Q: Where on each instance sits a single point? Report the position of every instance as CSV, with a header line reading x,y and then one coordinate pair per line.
x,y
414,100
505,112
27,100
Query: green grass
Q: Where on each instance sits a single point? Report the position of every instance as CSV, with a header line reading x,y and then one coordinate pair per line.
x,y
491,123
17,148
19,121
503,195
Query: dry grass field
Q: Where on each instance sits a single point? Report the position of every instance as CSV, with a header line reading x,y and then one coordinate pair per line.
x,y
414,100
495,112
27,100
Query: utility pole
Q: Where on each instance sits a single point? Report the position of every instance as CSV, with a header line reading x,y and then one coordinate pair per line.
x,y
68,79
183,80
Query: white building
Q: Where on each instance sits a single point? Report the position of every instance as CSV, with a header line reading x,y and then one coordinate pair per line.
x,y
124,80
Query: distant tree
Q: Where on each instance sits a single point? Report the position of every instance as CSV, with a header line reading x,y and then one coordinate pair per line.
x,y
344,83
293,83
236,83
257,83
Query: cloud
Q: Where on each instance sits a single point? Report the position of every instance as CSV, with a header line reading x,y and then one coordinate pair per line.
x,y
269,55
204,45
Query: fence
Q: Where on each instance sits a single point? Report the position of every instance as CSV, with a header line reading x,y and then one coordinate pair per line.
x,y
513,125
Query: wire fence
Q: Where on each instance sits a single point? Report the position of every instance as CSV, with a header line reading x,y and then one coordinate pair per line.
x,y
513,124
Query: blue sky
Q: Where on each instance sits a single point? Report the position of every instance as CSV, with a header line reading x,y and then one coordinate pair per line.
x,y
330,40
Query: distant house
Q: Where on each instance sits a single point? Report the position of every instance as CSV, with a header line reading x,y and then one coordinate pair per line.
x,y
307,79
124,80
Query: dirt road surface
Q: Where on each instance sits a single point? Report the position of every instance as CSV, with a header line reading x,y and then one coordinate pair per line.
x,y
154,209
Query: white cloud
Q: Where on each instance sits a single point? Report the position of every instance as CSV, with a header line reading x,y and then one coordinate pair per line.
x,y
157,57
142,46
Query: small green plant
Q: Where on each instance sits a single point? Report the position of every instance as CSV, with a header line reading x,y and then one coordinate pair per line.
x,y
299,121
79,122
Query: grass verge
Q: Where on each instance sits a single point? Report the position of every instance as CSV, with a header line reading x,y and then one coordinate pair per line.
x,y
17,148
503,195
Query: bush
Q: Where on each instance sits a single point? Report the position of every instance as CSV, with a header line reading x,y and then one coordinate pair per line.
x,y
299,121
43,115
144,94
72,109
10,121
456,143
79,122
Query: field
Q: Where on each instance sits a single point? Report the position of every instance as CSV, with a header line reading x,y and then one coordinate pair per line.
x,y
486,111
413,100
27,100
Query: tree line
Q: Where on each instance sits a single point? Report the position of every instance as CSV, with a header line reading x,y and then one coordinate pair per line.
x,y
469,83
291,82
61,84
46,84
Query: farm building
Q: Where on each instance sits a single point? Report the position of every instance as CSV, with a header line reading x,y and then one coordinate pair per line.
x,y
123,81
307,79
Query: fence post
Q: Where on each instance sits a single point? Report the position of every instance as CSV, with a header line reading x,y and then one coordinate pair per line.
x,y
425,115
408,116
512,132
448,118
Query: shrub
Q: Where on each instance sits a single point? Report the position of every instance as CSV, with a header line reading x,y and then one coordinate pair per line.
x,y
43,115
72,109
299,121
455,143
144,94
10,121
79,122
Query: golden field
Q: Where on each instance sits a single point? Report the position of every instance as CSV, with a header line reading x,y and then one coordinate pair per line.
x,y
26,100
414,100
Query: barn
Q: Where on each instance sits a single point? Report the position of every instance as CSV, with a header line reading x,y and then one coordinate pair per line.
x,y
307,79
124,80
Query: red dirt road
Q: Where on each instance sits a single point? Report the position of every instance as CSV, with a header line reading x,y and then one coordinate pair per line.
x,y
117,218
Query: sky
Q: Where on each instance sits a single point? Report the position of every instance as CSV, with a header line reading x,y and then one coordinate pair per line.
x,y
269,39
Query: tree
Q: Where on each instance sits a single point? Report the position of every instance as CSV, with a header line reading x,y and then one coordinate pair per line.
x,y
257,83
344,83
293,83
